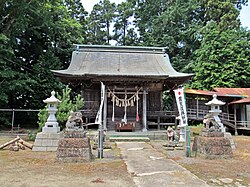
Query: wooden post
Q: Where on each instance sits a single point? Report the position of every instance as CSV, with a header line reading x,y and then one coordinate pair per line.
x,y
144,107
12,120
105,111
235,121
158,122
228,113
197,107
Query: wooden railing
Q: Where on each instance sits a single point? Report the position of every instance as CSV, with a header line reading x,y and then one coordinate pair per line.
x,y
196,114
244,124
161,113
228,117
193,114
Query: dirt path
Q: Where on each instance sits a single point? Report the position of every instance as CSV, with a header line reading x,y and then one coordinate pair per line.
x,y
152,168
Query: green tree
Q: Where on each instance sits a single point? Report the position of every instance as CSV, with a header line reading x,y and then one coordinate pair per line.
x,y
39,38
172,24
223,58
223,13
95,29
99,22
177,24
122,33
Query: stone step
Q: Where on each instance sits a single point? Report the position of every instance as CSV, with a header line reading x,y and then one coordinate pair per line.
x,y
129,139
151,136
128,135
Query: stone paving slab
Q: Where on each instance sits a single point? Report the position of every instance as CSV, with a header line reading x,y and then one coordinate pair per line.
x,y
151,168
129,139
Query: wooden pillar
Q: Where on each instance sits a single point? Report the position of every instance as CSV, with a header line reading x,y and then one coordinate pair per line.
x,y
158,122
197,107
235,121
105,109
144,114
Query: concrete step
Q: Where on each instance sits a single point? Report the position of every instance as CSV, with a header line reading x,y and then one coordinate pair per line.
x,y
129,139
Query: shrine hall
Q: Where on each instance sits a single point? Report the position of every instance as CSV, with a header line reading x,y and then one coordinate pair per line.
x,y
134,78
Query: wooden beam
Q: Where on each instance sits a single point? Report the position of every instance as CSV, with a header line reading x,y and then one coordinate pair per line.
x,y
26,144
10,142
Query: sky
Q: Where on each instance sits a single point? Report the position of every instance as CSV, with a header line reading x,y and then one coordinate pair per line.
x,y
244,15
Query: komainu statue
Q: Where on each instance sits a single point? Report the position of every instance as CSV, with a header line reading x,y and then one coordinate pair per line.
x,y
210,123
74,121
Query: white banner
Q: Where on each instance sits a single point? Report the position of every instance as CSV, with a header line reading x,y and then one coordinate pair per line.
x,y
181,105
98,119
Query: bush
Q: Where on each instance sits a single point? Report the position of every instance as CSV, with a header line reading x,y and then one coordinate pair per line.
x,y
31,135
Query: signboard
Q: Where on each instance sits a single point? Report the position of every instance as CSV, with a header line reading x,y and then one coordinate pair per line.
x,y
181,105
98,119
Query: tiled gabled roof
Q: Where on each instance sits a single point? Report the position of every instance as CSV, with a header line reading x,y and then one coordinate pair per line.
x,y
92,61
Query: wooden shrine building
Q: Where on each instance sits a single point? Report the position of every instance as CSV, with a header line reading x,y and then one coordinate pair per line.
x,y
134,78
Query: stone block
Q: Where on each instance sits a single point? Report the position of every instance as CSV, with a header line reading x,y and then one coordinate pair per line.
x,y
169,148
206,133
74,142
39,148
51,130
229,136
47,141
75,134
212,147
38,142
179,148
54,143
52,149
74,150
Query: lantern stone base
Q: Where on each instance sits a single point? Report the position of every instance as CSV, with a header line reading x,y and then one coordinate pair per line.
x,y
51,127
47,141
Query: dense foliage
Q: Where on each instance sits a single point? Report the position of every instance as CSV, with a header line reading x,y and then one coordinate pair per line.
x,y
223,59
202,36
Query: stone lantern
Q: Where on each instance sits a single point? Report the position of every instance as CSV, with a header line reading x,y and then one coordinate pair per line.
x,y
51,126
48,139
215,110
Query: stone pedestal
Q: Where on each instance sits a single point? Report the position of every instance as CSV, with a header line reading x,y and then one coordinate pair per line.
x,y
47,141
74,147
206,133
182,133
212,145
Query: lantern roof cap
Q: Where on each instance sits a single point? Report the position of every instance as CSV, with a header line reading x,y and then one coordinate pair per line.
x,y
215,101
52,99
